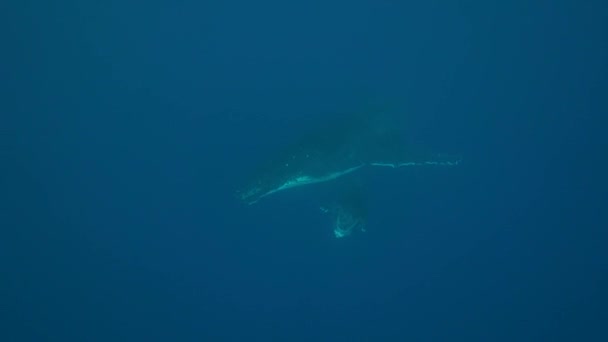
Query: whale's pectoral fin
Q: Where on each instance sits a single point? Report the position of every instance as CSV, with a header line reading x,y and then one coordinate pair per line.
x,y
347,211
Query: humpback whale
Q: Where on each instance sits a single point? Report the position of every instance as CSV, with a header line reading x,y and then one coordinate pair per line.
x,y
334,150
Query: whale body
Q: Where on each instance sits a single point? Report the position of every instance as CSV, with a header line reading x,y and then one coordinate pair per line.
x,y
335,150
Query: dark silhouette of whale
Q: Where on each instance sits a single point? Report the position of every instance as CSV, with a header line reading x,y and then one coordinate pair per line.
x,y
336,149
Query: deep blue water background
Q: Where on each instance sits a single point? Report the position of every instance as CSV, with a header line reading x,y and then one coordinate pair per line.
x,y
127,127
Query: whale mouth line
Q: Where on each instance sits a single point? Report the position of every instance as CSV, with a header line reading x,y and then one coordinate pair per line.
x,y
256,193
296,182
398,165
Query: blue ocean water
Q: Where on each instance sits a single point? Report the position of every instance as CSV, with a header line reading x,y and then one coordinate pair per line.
x,y
127,128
